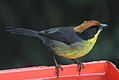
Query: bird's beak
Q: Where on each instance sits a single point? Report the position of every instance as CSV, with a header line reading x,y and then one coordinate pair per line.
x,y
102,26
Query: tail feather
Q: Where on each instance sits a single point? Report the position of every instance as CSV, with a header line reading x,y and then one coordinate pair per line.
x,y
22,31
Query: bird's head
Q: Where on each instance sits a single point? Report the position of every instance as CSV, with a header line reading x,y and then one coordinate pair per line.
x,y
88,29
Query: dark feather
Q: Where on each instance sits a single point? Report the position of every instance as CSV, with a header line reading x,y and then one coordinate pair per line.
x,y
63,34
88,33
27,32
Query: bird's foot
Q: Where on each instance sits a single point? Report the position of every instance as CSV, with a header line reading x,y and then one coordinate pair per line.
x,y
79,64
57,69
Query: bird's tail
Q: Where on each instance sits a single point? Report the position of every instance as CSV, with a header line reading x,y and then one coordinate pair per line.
x,y
22,31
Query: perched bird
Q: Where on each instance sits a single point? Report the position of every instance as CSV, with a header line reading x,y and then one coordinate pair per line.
x,y
68,42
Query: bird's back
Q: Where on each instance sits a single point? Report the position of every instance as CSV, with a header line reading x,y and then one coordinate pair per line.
x,y
61,34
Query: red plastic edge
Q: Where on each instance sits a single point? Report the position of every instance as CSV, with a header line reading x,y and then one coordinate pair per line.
x,y
96,70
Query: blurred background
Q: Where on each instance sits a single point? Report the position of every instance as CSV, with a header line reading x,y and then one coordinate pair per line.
x,y
22,51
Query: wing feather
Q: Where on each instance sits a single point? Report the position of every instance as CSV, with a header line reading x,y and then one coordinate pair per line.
x,y
63,34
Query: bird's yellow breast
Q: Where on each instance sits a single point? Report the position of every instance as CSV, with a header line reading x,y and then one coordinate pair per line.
x,y
77,49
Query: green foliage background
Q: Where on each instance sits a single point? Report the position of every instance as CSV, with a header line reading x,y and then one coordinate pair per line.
x,y
21,51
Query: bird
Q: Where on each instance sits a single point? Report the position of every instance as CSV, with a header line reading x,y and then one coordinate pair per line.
x,y
70,42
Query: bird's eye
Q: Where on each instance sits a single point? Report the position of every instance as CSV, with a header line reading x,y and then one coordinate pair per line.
x,y
95,28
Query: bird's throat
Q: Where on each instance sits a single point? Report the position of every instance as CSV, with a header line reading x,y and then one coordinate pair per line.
x,y
93,40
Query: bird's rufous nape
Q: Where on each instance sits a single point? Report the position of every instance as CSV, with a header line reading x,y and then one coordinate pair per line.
x,y
85,25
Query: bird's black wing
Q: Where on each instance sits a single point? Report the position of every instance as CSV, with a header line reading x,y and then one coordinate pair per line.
x,y
63,34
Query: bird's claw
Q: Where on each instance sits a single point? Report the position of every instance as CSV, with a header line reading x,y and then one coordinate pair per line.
x,y
57,69
80,66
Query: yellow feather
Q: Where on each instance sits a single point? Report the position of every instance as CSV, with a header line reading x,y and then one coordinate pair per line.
x,y
77,49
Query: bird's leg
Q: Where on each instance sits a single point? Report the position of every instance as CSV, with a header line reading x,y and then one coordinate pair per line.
x,y
55,61
57,66
79,64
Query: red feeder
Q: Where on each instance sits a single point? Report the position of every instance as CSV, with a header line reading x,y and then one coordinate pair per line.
x,y
97,70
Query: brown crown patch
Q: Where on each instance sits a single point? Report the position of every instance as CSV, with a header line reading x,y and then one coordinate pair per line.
x,y
85,25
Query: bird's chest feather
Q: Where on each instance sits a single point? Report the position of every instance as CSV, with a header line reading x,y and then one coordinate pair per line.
x,y
74,50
